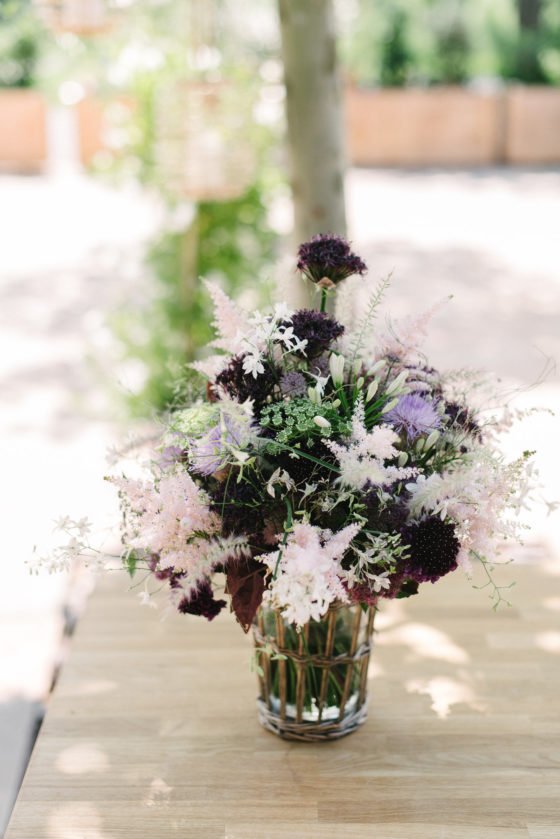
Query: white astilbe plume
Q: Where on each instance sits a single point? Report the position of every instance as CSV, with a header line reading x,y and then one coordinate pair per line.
x,y
170,517
230,321
309,572
363,458
404,337
482,495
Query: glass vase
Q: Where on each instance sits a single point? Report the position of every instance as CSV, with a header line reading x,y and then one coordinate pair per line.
x,y
313,681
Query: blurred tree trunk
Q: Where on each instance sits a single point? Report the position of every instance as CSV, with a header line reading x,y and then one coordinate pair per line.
x,y
529,13
529,65
315,117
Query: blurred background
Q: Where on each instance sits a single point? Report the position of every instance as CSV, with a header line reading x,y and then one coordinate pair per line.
x,y
145,144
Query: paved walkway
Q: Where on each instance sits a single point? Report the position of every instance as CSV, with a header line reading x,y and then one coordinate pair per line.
x,y
70,247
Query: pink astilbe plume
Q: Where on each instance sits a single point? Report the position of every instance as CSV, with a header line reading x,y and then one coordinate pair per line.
x,y
230,321
309,573
170,517
404,337
481,495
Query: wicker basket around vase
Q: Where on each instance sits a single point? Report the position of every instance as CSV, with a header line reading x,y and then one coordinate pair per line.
x,y
313,683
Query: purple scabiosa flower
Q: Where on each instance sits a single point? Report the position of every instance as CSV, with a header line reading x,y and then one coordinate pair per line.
x,y
317,328
433,549
414,415
202,602
293,384
169,456
211,453
327,260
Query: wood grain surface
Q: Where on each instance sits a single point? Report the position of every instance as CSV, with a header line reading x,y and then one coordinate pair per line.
x,y
152,729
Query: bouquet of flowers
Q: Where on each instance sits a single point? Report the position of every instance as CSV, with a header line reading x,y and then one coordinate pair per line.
x,y
321,464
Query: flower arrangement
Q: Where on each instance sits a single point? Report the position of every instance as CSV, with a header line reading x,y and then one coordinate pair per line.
x,y
324,464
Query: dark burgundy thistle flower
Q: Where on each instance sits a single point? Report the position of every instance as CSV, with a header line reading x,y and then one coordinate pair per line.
x,y
241,386
202,602
433,549
327,260
317,328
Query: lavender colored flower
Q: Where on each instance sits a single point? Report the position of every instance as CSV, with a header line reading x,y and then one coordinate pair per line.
x,y
433,549
317,328
414,415
327,260
202,602
293,384
211,452
169,456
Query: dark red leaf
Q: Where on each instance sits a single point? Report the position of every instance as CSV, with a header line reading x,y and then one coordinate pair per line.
x,y
245,584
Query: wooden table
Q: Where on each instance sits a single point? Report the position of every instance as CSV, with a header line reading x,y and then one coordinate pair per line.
x,y
152,730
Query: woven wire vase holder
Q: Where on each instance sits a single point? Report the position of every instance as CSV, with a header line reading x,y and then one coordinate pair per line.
x,y
313,683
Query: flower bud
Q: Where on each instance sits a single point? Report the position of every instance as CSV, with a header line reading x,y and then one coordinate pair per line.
x,y
371,391
389,406
403,459
379,365
432,439
360,383
397,383
321,422
336,366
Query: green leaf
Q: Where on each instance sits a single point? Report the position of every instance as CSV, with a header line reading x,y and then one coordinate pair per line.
x,y
130,562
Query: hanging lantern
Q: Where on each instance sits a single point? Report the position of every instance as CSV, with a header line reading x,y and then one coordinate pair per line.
x,y
81,17
203,152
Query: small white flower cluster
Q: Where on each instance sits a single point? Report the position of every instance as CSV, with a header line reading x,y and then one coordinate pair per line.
x,y
268,330
77,547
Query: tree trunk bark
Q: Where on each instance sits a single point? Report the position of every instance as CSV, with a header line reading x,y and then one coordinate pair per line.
x,y
315,118
529,14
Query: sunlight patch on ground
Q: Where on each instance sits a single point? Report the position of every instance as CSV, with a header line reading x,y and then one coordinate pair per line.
x,y
426,642
548,641
445,692
81,759
75,819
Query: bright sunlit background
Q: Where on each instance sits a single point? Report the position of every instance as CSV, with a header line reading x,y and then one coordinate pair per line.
x,y
141,148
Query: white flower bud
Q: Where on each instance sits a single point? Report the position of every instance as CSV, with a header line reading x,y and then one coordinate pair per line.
x,y
432,439
371,391
389,406
403,459
336,366
360,383
357,366
313,395
420,445
336,403
397,383
379,365
321,422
